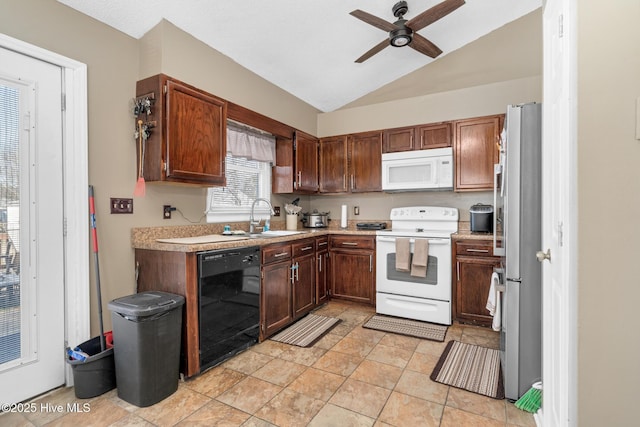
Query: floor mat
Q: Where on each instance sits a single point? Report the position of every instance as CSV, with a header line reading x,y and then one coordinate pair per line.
x,y
472,368
412,328
306,331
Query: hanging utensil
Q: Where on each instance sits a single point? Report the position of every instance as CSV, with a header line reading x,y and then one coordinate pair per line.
x,y
139,190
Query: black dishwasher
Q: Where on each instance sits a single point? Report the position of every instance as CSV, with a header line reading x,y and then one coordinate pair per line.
x,y
229,303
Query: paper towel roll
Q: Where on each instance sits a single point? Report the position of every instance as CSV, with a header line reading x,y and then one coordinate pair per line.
x,y
343,217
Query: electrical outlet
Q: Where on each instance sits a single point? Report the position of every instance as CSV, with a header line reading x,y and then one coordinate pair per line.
x,y
356,210
166,211
121,206
276,211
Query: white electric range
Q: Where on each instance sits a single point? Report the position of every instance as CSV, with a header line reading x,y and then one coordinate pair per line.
x,y
400,294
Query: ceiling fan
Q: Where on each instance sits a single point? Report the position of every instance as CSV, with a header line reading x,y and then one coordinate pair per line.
x,y
403,32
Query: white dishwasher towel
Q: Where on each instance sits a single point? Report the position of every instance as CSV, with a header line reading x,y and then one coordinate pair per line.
x,y
493,302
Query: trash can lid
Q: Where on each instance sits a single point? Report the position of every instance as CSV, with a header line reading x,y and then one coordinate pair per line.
x,y
481,208
146,303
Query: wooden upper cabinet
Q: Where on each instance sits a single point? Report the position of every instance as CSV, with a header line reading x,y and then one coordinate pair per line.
x,y
365,161
306,162
282,172
188,141
421,137
476,151
437,135
399,139
333,164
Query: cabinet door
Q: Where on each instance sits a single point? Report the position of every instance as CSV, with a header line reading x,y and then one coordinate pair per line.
x,y
399,139
475,152
304,285
282,172
276,301
196,141
306,163
472,288
352,275
322,277
434,136
333,165
365,155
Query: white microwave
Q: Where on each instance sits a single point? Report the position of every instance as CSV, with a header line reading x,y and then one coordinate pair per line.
x,y
418,170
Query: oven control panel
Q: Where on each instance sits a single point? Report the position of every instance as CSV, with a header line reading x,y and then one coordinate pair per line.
x,y
424,213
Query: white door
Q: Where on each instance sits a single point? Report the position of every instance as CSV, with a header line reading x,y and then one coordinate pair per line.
x,y
559,219
32,314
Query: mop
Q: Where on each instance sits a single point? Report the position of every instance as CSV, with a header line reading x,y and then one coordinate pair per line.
x,y
94,238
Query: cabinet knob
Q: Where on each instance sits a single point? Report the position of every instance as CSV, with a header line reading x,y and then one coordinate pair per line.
x,y
543,255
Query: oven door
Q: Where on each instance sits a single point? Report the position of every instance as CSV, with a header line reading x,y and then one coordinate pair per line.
x,y
436,285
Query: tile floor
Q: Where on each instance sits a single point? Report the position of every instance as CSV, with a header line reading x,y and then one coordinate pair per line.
x,y
351,377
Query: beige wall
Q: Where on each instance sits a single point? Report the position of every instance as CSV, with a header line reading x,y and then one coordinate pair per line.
x,y
608,210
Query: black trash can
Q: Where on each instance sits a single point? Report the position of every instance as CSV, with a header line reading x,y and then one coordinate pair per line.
x,y
94,375
147,330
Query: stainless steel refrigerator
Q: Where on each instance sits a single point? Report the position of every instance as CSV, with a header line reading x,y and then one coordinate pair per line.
x,y
517,238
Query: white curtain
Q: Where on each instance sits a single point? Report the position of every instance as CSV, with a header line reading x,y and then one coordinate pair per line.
x,y
251,144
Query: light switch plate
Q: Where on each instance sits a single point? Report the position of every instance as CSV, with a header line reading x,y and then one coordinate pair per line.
x,y
121,206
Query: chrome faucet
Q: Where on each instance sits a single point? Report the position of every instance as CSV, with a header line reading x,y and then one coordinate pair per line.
x,y
252,221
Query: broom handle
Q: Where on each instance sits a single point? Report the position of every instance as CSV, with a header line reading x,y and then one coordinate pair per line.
x,y
140,149
94,238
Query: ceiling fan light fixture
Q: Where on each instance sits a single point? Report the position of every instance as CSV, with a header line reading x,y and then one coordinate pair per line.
x,y
400,37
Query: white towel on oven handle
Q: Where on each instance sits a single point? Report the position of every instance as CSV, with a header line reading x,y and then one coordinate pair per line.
x,y
493,302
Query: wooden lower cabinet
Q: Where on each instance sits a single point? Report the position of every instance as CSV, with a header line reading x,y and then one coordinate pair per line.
x,y
353,268
288,289
472,270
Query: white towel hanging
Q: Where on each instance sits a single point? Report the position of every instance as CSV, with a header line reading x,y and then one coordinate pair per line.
x,y
493,302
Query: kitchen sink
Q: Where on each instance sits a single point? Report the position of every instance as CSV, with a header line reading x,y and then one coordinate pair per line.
x,y
275,233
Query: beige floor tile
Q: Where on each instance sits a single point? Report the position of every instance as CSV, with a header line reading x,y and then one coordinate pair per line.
x,y
519,417
247,362
338,363
424,363
317,384
376,373
360,397
249,395
477,404
131,420
400,341
216,381
390,355
103,412
270,348
303,355
405,410
328,341
257,422
332,416
61,396
290,409
279,372
417,384
434,348
174,408
457,418
353,317
354,347
343,328
215,414
369,335
14,419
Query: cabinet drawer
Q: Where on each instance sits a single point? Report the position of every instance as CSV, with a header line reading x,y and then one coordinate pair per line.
x,y
352,242
304,247
474,248
322,243
275,253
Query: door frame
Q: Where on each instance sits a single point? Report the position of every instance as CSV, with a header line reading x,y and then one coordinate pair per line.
x,y
75,187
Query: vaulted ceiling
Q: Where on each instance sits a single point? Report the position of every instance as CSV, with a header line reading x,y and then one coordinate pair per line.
x,y
309,48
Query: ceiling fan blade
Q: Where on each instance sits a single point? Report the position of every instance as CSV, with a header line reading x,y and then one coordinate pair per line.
x,y
424,46
377,48
430,16
373,20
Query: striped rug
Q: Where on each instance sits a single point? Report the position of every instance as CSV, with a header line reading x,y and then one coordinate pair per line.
x,y
412,328
306,331
470,367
